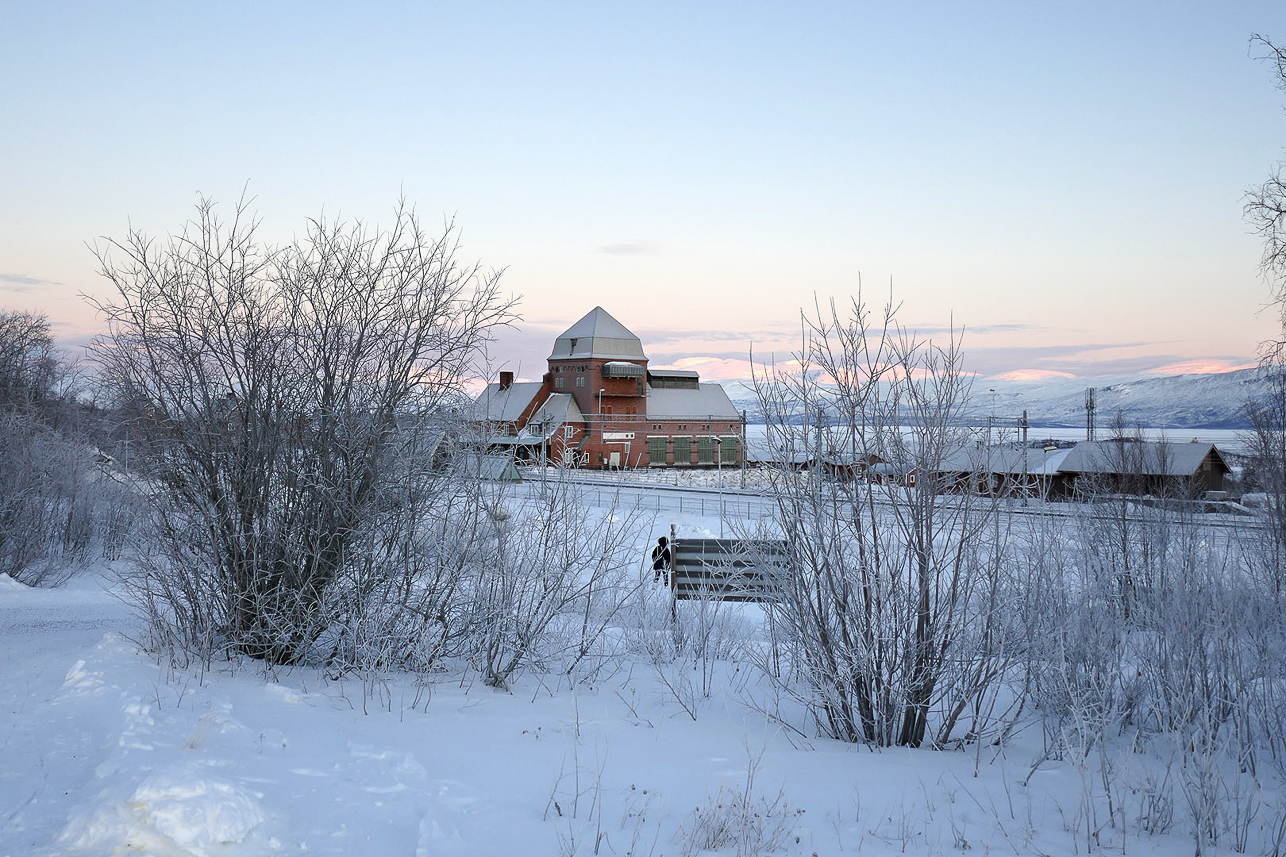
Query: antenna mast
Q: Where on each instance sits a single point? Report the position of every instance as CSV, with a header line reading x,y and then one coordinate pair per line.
x,y
1090,406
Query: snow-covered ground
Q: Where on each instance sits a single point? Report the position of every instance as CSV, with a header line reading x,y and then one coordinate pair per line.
x,y
103,751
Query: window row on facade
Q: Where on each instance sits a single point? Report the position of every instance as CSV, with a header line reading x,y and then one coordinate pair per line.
x,y
680,449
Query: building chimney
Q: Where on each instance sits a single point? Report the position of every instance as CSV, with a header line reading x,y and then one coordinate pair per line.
x,y
506,380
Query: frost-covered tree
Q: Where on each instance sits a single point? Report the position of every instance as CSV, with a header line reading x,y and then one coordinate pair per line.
x,y
1266,472
278,394
57,507
893,611
1266,203
29,364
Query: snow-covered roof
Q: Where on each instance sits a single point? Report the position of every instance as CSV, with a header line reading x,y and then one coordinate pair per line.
x,y
622,369
549,419
494,468
763,450
1146,458
598,335
706,400
507,405
1005,459
559,408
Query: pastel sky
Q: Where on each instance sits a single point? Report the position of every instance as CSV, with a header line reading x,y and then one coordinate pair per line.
x,y
1064,181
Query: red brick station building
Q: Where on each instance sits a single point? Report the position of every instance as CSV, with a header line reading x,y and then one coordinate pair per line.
x,y
600,406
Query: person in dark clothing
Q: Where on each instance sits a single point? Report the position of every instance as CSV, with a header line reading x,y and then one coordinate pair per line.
x,y
660,558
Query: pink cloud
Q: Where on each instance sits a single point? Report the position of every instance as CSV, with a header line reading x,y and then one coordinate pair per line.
x,y
711,368
1199,366
1030,375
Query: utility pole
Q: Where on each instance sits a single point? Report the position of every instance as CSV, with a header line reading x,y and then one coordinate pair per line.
x,y
991,418
743,450
1023,427
718,469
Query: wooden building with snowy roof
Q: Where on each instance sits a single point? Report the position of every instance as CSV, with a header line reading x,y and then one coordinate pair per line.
x,y
1086,469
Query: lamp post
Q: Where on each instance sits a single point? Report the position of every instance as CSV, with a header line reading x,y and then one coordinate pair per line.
x,y
718,469
1023,426
602,423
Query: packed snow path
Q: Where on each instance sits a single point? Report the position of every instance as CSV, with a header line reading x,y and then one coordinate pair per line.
x,y
52,736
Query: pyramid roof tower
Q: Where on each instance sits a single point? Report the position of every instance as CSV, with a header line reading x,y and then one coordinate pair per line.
x,y
598,335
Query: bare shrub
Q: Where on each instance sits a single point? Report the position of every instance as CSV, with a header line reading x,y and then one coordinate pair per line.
x,y
1266,472
58,506
741,820
403,602
893,613
275,389
29,365
1158,626
552,579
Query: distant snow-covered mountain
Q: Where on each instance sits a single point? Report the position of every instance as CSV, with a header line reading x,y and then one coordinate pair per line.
x,y
1171,401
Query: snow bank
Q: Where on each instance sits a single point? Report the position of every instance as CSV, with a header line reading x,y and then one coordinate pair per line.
x,y
177,812
8,584
196,814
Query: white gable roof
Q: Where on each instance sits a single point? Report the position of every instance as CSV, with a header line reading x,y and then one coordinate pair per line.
x,y
507,405
1034,461
704,402
559,408
1149,458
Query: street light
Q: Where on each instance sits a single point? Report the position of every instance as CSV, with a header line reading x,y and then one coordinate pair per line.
x,y
602,423
718,469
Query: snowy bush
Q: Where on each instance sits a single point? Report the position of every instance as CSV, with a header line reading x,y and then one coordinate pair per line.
x,y
893,615
1155,626
285,399
58,507
739,820
551,580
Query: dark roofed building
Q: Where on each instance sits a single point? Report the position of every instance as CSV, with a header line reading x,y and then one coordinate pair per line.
x,y
1032,470
1116,466
1130,466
